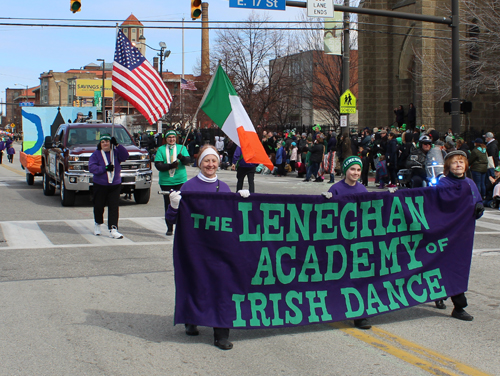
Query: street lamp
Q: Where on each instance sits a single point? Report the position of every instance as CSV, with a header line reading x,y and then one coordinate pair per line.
x,y
102,90
162,54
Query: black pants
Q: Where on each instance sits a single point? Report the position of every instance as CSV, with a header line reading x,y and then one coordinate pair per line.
x,y
364,171
459,301
392,174
240,175
221,333
106,195
166,201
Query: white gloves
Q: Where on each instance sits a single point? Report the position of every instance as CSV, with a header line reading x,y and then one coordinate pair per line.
x,y
175,199
245,193
327,195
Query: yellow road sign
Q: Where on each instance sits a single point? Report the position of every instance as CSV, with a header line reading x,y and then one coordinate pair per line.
x,y
347,103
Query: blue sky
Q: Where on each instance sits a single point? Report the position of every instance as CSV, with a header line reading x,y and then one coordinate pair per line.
x,y
29,51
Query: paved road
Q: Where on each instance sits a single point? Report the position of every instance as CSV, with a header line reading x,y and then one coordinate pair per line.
x,y
75,304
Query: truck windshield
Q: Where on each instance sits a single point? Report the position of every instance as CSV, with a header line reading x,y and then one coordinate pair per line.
x,y
91,136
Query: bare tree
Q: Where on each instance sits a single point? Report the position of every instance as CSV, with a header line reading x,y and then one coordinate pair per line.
x,y
326,88
245,54
480,42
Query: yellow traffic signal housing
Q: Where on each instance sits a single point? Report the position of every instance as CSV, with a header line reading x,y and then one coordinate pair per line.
x,y
75,5
195,9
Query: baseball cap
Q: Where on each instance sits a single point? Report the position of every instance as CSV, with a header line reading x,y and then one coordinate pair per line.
x,y
488,135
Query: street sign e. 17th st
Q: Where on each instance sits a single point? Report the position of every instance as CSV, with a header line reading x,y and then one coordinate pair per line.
x,y
258,4
26,104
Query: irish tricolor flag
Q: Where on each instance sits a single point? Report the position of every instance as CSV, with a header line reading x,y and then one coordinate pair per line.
x,y
222,104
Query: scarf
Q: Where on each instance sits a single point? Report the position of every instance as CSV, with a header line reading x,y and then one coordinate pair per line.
x,y
170,159
111,174
205,179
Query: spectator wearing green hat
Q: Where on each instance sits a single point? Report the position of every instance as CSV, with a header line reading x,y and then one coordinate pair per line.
x,y
171,160
351,169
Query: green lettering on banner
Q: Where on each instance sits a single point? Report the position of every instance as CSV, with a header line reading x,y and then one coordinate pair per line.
x,y
436,290
276,298
391,293
327,221
389,253
376,216
348,235
239,322
313,317
295,220
414,264
209,223
245,208
330,275
310,262
256,308
265,266
226,224
417,214
282,277
197,218
397,213
347,291
372,299
290,296
363,259
272,222
419,298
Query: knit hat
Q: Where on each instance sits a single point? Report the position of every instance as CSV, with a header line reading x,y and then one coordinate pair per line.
x,y
105,136
497,168
350,161
171,133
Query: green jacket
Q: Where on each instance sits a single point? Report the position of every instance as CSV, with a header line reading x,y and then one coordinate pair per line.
x,y
478,160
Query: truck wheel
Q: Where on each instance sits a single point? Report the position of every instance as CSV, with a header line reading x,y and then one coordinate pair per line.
x,y
141,196
67,197
48,190
30,179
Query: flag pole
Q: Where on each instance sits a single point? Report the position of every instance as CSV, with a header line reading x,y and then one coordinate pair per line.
x,y
199,105
113,103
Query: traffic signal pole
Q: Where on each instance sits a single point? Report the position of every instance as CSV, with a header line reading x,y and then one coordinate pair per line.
x,y
453,22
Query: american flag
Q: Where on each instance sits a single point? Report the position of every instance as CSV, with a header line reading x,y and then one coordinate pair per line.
x,y
135,80
187,85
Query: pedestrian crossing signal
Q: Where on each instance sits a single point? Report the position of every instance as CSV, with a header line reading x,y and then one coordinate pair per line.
x,y
75,5
195,9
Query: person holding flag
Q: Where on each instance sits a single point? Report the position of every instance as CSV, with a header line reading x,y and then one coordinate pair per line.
x,y
172,174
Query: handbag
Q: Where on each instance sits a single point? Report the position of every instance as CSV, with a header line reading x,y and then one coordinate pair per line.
x,y
491,164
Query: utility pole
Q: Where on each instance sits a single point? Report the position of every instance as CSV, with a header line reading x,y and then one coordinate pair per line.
x,y
345,65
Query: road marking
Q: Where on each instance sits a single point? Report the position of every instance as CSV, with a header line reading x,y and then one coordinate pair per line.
x,y
13,169
29,235
419,356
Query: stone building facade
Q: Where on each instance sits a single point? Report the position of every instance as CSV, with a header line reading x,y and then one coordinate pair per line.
x,y
391,74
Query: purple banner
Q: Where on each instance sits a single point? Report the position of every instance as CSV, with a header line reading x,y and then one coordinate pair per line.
x,y
286,260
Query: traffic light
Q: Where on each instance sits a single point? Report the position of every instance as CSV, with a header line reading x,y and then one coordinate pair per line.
x,y
447,106
76,103
195,9
465,107
75,5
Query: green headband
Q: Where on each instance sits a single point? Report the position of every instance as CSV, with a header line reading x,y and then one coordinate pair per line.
x,y
350,162
106,137
171,133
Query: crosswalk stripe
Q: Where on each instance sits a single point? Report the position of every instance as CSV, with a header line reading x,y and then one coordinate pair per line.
x,y
25,234
29,235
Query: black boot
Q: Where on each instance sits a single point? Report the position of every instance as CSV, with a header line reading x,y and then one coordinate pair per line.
x,y
170,228
440,304
221,339
191,330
